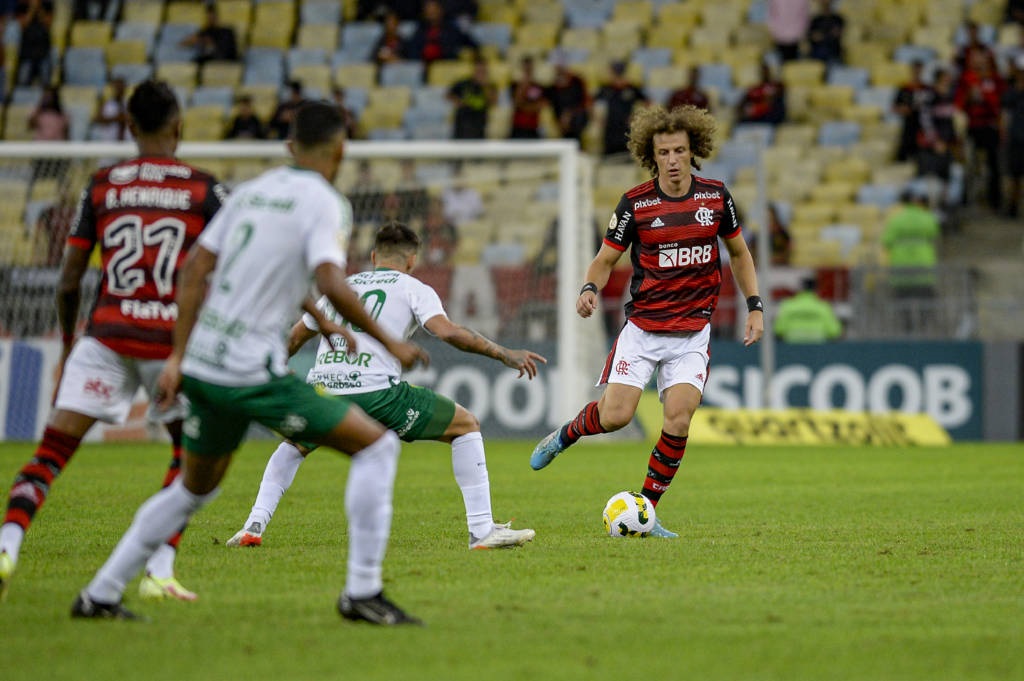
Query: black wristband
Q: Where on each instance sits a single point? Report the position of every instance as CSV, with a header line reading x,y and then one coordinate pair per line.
x,y
589,286
754,303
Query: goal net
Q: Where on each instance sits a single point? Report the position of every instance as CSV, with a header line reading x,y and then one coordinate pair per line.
x,y
507,229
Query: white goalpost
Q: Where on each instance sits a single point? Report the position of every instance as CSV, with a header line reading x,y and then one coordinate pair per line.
x,y
513,271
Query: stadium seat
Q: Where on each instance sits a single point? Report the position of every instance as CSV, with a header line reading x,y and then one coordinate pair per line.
x,y
211,95
263,66
203,123
181,74
445,72
143,11
838,133
137,30
222,74
587,38
497,35
168,45
16,124
317,36
85,66
183,12
315,78
539,37
806,72
305,56
133,74
362,75
881,195
360,37
667,36
404,73
889,73
127,52
320,12
90,33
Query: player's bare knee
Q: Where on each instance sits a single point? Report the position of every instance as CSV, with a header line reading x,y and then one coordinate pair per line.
x,y
613,418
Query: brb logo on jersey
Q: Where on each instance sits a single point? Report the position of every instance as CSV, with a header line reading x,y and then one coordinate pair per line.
x,y
705,216
683,256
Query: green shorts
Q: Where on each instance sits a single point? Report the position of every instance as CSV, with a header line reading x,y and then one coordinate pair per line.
x,y
220,415
413,412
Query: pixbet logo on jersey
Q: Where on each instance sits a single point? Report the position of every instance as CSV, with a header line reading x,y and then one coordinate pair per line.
x,y
685,255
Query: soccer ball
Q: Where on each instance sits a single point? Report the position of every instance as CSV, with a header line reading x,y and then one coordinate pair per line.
x,y
628,514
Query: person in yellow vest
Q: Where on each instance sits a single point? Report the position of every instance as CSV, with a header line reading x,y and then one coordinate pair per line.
x,y
806,318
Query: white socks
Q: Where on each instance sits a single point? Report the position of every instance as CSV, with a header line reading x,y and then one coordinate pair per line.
x,y
371,481
470,467
157,519
277,478
11,536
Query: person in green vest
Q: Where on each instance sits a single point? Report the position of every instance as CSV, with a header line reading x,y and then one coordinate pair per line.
x,y
806,318
910,239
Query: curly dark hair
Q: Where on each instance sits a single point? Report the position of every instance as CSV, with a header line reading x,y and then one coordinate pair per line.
x,y
647,122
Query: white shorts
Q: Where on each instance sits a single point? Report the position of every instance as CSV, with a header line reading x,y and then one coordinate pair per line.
x,y
102,384
677,357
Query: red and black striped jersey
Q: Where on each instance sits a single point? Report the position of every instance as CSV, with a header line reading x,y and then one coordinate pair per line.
x,y
676,265
144,214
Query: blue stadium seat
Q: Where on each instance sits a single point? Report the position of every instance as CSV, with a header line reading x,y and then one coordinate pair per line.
x,y
718,76
263,66
132,74
588,13
569,55
407,73
429,96
763,133
356,99
652,57
838,133
136,30
303,56
757,13
881,195
387,134
911,53
168,48
491,33
359,37
320,12
85,66
854,76
206,95
26,95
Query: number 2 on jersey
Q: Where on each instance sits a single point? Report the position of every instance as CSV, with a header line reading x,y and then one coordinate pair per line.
x,y
238,240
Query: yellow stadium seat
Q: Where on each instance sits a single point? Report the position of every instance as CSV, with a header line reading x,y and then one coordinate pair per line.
x,y
891,74
779,158
396,96
271,35
619,39
90,33
537,36
381,117
143,11
84,96
666,77
814,212
806,72
551,13
671,36
851,169
181,12
180,74
264,98
715,37
895,174
237,12
638,11
990,13
445,72
580,38
126,52
362,75
203,123
313,76
751,36
316,36
797,134
834,192
499,13
867,53
222,73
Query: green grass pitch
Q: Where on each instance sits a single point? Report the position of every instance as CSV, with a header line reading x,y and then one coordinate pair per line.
x,y
808,563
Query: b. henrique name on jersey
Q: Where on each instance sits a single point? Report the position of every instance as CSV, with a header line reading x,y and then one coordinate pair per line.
x,y
677,272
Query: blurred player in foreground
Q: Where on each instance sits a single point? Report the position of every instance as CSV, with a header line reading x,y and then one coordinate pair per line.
x,y
671,224
370,377
254,266
144,214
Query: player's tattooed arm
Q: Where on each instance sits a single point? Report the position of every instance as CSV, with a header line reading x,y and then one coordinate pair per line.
x,y
468,340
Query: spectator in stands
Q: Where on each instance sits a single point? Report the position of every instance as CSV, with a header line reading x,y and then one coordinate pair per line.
x,y
473,98
366,195
979,96
390,46
691,93
405,10
570,102
1015,11
436,36
349,116
938,144
965,59
1013,136
35,61
910,239
825,34
281,120
765,101
618,98
788,21
780,244
463,12
911,99
214,41
411,196
438,235
461,202
52,227
528,99
806,318
90,10
49,123
246,125
110,123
